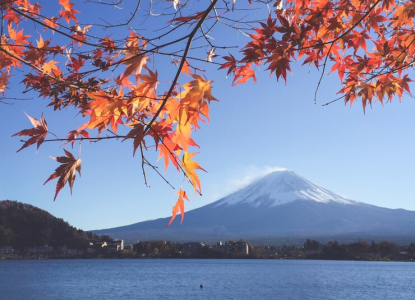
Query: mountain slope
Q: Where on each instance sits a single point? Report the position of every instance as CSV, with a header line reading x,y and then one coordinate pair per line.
x,y
282,204
23,225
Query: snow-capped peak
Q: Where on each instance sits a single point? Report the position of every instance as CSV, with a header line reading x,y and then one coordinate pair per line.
x,y
280,187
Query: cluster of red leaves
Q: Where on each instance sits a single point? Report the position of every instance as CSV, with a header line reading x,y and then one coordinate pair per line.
x,y
371,45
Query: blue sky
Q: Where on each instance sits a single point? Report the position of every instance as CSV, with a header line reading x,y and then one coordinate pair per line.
x,y
254,129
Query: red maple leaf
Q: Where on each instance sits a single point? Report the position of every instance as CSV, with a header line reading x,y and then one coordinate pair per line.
x,y
37,134
66,171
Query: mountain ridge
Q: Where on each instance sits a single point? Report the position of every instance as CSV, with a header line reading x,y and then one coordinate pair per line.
x,y
281,204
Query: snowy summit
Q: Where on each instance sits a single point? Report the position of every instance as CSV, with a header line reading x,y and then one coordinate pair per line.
x,y
281,187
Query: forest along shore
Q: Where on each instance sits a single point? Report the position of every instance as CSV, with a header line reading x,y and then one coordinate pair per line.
x,y
311,249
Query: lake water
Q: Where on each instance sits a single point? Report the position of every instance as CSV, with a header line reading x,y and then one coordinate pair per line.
x,y
222,279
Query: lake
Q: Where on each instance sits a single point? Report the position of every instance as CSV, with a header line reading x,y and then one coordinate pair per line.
x,y
222,279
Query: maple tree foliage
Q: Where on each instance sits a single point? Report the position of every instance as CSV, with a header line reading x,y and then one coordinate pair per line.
x,y
143,78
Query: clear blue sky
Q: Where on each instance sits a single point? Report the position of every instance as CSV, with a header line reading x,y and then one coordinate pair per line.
x,y
254,128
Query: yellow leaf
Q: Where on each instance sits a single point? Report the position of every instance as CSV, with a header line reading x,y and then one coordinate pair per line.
x,y
190,166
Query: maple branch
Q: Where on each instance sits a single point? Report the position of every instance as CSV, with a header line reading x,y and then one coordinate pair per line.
x,y
171,153
142,165
347,31
391,62
103,3
144,160
97,139
60,31
332,101
153,50
2,25
168,32
178,161
192,58
3,100
129,20
54,29
155,169
37,68
322,74
186,51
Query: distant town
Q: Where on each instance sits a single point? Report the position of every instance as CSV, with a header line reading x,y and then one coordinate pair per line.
x,y
360,250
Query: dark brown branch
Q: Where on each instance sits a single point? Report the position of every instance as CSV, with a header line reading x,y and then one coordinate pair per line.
x,y
186,51
322,73
155,169
143,159
83,138
129,20
55,29
37,68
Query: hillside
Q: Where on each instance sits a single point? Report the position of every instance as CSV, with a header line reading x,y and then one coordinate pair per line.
x,y
23,225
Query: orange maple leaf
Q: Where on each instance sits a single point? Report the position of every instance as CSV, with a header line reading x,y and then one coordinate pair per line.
x,y
138,134
183,130
66,171
51,22
4,80
66,4
190,166
18,36
105,109
243,74
179,206
167,150
37,134
186,68
68,13
49,67
135,64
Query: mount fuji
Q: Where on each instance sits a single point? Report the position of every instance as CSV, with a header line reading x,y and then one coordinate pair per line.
x,y
281,206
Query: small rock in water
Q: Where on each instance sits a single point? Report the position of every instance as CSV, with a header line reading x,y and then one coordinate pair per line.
x,y
201,286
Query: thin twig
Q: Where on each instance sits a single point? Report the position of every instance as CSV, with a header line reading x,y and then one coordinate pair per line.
x,y
155,169
143,159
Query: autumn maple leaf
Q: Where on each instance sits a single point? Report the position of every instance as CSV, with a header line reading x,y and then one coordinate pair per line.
x,y
135,64
138,134
49,67
4,80
243,74
66,171
68,12
179,206
190,166
72,135
37,134
168,150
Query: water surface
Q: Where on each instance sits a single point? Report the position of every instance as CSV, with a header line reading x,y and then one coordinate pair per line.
x,y
222,279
